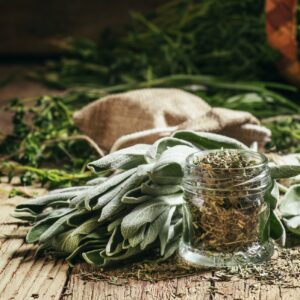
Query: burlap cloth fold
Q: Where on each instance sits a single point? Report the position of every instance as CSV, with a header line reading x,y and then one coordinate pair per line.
x,y
143,116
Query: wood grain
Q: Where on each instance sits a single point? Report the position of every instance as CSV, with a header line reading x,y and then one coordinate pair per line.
x,y
184,288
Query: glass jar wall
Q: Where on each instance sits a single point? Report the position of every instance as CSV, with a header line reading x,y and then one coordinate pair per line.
x,y
225,215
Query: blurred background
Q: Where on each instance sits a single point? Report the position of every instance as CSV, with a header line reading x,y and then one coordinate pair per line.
x,y
29,28
33,31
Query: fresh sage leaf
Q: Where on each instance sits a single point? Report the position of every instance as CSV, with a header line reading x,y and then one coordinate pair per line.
x,y
207,140
170,166
162,145
272,195
102,188
43,225
115,205
164,233
139,216
153,229
114,245
93,257
135,196
284,171
293,224
138,237
122,159
277,230
290,204
150,188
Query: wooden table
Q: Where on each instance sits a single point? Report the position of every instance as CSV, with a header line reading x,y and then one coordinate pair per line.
x,y
22,276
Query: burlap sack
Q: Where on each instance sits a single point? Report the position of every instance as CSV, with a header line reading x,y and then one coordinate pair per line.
x,y
143,116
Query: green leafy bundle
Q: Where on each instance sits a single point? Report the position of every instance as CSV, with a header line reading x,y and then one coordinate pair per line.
x,y
136,211
187,37
45,136
285,133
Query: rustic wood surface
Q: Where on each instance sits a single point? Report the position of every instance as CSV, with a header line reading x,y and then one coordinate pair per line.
x,y
22,276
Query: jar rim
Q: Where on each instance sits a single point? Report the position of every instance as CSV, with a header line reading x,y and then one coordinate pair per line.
x,y
263,159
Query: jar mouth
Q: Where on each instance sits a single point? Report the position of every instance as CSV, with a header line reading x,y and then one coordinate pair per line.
x,y
261,159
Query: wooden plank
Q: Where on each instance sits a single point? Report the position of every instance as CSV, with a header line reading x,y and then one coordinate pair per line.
x,y
23,276
26,277
280,280
189,288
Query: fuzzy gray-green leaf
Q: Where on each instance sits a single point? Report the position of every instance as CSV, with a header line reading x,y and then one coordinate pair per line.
x,y
101,188
153,229
290,204
122,159
207,140
164,233
272,195
162,145
151,188
170,166
293,224
139,216
284,171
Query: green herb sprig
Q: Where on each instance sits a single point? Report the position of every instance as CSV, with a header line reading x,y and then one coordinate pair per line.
x,y
44,137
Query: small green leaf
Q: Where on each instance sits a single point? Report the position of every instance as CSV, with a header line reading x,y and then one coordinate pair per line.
x,y
93,257
139,216
38,204
284,171
115,205
87,246
59,226
25,214
121,257
97,181
272,195
171,248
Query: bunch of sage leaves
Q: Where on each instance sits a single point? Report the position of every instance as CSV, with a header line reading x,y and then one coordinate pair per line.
x,y
137,211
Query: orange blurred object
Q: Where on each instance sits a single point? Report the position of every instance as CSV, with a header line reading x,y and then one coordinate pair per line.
x,y
281,29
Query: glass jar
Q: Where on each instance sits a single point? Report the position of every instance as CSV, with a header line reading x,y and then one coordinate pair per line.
x,y
225,215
